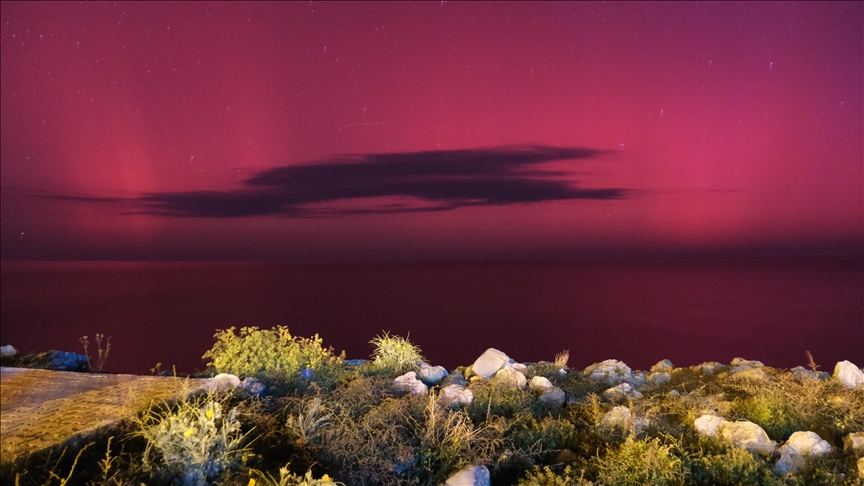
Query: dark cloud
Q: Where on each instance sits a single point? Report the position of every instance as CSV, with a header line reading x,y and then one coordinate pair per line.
x,y
110,200
440,180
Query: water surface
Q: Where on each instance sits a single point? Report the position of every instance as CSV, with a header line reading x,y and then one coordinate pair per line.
x,y
636,311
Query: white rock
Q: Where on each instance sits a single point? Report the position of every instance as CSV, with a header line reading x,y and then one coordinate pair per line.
x,y
746,362
553,396
808,444
610,372
748,435
659,377
708,424
620,416
455,378
853,443
849,375
664,365
409,382
432,375
511,377
455,396
8,350
223,381
253,386
708,367
796,450
790,462
472,476
622,390
804,374
513,365
489,363
539,383
637,379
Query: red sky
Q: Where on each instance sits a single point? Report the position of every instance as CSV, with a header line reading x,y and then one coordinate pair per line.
x,y
338,131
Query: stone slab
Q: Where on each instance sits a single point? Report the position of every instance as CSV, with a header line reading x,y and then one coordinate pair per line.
x,y
41,408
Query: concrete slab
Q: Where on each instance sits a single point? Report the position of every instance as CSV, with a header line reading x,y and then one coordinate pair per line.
x,y
41,408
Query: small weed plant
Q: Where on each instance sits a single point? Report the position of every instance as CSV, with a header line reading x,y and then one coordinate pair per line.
x,y
305,425
102,354
561,359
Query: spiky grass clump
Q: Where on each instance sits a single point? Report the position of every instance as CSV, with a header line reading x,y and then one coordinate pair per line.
x,y
375,446
395,354
449,441
377,435
561,359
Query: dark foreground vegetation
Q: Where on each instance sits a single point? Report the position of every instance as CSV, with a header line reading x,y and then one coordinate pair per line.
x,y
303,415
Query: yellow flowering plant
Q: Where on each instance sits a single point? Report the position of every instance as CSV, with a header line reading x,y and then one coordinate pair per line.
x,y
193,442
287,478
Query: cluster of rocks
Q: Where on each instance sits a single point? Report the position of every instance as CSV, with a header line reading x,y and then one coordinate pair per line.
x,y
793,455
455,388
624,383
67,361
52,360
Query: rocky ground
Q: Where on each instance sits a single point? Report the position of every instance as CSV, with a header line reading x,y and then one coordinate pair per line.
x,y
499,421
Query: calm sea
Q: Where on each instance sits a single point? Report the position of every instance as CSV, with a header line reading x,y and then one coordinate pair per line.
x,y
635,311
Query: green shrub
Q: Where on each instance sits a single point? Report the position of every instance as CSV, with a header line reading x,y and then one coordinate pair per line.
x,y
256,352
545,476
395,354
772,413
541,435
575,384
832,469
785,404
193,442
824,407
718,464
639,462
494,399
